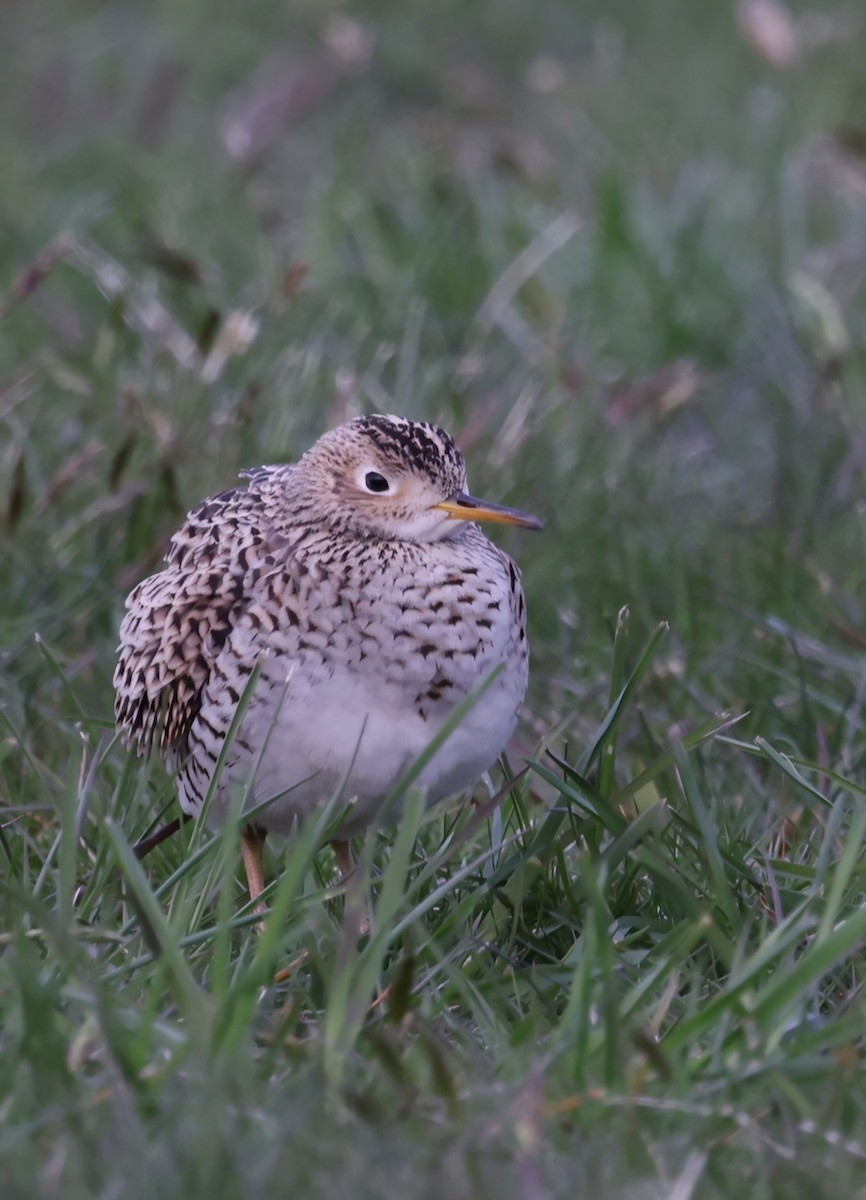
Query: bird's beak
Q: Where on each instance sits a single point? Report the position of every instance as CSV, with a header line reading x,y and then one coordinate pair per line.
x,y
463,507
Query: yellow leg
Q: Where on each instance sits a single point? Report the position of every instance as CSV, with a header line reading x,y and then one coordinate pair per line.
x,y
251,848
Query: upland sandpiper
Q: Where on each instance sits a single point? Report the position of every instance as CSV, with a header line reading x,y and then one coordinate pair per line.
x,y
360,587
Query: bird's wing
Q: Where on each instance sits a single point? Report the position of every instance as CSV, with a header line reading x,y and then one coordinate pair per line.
x,y
177,621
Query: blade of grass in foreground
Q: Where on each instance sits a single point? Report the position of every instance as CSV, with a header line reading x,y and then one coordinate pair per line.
x,y
707,841
770,984
607,765
552,822
354,981
192,1000
238,1001
782,761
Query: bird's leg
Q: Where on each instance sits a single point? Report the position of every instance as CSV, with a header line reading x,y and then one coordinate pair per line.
x,y
251,848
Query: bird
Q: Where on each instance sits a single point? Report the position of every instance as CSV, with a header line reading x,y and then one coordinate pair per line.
x,y
356,599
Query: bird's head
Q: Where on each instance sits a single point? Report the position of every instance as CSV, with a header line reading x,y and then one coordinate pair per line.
x,y
389,477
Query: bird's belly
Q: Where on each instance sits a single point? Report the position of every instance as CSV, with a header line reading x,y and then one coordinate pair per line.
x,y
351,735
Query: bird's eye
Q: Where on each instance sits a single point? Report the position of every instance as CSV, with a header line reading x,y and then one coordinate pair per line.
x,y
374,482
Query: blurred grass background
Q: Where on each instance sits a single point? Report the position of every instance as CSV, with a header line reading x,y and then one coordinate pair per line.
x,y
619,251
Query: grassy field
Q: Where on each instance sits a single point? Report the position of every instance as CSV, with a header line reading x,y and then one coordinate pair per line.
x,y
619,250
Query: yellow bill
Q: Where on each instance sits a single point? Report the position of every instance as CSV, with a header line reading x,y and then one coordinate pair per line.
x,y
463,507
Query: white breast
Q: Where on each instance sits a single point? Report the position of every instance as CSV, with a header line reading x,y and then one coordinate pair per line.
x,y
348,700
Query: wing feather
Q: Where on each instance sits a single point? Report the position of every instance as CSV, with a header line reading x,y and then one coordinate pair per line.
x,y
178,620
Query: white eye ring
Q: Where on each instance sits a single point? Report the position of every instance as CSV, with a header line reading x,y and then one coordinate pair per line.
x,y
375,483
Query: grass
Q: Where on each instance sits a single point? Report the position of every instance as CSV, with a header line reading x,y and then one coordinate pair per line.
x,y
621,255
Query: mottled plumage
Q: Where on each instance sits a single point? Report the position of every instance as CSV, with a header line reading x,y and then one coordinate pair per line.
x,y
370,610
